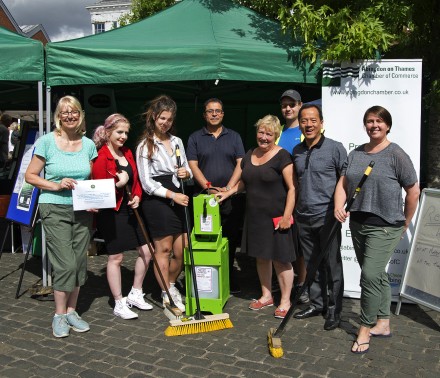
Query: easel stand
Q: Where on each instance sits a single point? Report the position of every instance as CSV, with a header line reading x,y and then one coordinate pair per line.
x,y
28,249
421,278
37,291
10,226
4,238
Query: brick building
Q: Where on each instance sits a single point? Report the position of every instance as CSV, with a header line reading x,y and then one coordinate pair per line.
x,y
32,31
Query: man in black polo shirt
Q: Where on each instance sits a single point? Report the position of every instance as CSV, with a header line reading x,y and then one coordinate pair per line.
x,y
214,153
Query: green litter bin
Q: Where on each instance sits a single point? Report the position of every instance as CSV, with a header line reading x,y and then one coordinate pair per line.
x,y
211,258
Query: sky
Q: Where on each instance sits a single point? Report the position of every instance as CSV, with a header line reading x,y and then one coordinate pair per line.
x,y
62,19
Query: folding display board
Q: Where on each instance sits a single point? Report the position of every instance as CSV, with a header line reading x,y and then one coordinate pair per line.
x,y
421,282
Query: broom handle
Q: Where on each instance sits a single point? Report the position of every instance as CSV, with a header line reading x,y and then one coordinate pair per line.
x,y
198,315
150,247
314,265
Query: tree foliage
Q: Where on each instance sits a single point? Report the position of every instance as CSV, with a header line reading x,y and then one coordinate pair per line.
x,y
340,30
348,29
141,9
363,29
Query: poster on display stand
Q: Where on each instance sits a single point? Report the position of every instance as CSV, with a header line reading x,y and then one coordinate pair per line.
x,y
24,197
348,90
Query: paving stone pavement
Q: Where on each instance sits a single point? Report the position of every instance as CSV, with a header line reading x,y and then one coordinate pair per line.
x,y
138,348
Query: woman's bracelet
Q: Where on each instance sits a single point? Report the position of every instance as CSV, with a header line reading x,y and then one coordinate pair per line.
x,y
173,194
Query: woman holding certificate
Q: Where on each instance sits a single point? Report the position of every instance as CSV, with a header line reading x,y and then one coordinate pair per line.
x,y
163,200
118,226
66,156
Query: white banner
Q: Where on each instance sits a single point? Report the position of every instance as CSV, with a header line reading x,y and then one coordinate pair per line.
x,y
348,90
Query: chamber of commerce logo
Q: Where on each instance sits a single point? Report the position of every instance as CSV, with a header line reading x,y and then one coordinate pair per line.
x,y
333,72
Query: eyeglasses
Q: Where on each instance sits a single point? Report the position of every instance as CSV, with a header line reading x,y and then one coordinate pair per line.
x,y
75,113
214,111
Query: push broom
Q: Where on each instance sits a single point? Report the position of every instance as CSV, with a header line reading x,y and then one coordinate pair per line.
x,y
274,335
198,323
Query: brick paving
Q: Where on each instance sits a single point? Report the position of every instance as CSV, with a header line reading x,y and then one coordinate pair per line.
x,y
138,348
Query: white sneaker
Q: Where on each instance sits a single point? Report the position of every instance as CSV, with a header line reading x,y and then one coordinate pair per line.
x,y
176,293
121,309
136,298
176,300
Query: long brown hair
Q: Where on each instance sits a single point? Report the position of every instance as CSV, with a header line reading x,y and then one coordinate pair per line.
x,y
162,103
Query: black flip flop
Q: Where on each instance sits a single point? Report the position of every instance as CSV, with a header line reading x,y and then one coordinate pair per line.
x,y
358,345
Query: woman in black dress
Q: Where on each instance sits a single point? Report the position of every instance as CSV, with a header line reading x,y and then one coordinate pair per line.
x,y
268,178
118,226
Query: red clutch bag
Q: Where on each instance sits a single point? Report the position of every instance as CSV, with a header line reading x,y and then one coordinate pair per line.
x,y
277,220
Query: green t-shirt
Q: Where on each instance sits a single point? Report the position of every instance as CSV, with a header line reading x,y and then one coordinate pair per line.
x,y
61,164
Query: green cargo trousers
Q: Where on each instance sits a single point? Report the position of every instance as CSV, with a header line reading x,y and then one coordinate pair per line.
x,y
374,246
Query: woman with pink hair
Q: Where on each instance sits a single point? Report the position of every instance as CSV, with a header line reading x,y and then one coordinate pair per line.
x,y
119,226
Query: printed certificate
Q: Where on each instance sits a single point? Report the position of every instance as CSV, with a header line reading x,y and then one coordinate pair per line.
x,y
94,194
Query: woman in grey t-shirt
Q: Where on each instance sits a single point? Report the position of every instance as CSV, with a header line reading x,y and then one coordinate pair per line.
x,y
378,218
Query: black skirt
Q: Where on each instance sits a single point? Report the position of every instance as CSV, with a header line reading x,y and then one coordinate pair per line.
x,y
162,216
119,229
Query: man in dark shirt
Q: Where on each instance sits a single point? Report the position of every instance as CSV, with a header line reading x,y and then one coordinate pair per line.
x,y
318,162
214,153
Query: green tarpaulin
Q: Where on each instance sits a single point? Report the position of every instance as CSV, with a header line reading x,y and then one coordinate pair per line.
x,y
192,40
21,58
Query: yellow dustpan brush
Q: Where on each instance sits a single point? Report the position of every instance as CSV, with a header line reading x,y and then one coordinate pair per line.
x,y
274,344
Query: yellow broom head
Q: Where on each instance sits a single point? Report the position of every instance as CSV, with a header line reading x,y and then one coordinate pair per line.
x,y
274,344
187,326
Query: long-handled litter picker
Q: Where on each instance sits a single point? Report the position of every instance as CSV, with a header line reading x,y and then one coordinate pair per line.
x,y
198,323
274,335
171,310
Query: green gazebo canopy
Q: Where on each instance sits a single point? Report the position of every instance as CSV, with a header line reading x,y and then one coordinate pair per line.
x,y
22,58
192,40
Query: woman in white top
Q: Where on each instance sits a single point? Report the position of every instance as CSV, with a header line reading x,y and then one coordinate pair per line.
x,y
163,202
